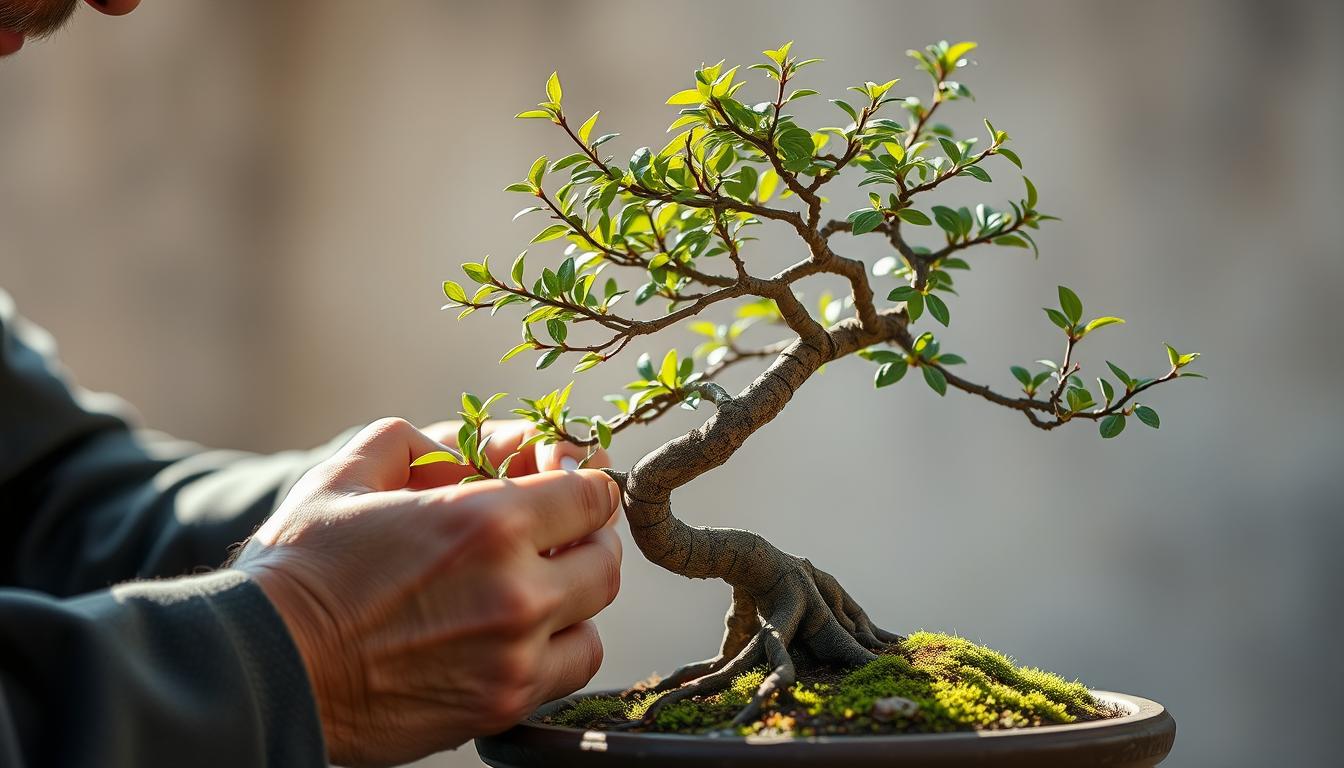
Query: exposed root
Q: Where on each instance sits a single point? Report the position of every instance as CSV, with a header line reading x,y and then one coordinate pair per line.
x,y
805,610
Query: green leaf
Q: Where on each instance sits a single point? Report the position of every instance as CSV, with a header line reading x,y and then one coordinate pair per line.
x,y
454,292
566,275
1057,317
550,233
951,149
890,373
1070,303
902,293
538,171
865,220
1011,240
553,90
937,308
955,52
645,367
478,272
1148,416
603,433
976,172
1121,375
688,96
1101,322
914,306
1011,155
557,330
587,127
1107,390
948,220
935,379
667,372
437,457
1112,425
796,145
588,361
521,186
1022,375
526,345
550,357
517,272
915,217
1173,355
1031,193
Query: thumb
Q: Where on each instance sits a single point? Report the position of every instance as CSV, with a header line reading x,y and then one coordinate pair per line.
x,y
379,457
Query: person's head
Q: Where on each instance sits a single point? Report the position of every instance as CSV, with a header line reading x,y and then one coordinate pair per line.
x,y
21,19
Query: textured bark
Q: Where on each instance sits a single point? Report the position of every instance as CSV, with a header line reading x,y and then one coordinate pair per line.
x,y
741,558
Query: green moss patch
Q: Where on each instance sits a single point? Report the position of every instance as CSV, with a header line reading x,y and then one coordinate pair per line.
x,y
927,684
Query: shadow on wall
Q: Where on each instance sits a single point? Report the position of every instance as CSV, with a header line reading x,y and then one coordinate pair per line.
x,y
238,216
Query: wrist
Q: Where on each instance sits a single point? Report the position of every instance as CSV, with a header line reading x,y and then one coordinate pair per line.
x,y
315,634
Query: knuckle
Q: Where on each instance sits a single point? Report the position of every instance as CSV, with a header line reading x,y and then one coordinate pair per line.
x,y
592,649
496,529
507,706
387,427
518,605
610,573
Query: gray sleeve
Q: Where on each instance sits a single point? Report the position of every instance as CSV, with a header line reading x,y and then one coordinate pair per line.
x,y
197,671
86,501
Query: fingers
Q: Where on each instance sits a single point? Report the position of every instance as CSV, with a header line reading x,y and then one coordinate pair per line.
x,y
379,457
588,575
573,656
557,508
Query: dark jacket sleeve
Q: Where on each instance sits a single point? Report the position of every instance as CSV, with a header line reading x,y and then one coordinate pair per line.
x,y
170,672
196,671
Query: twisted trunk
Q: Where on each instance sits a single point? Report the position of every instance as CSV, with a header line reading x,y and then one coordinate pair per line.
x,y
780,601
741,558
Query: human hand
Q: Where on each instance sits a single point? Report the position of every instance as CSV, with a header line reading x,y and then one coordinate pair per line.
x,y
427,617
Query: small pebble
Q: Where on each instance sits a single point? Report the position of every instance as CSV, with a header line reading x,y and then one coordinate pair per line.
x,y
893,707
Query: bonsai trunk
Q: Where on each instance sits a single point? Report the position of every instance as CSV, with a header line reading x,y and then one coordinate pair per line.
x,y
779,600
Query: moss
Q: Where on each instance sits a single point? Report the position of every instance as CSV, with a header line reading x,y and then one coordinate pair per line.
x,y
956,685
587,713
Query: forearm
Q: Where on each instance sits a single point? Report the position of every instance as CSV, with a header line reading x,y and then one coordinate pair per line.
x,y
197,671
120,505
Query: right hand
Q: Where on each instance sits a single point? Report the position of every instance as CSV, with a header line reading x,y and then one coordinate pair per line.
x,y
428,617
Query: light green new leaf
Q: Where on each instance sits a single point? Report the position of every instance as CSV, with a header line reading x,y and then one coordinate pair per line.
x,y
437,457
1101,322
553,91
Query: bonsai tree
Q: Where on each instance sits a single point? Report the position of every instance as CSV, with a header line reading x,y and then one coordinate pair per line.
x,y
664,238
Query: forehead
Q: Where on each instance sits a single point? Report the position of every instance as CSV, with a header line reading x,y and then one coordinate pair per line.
x,y
35,18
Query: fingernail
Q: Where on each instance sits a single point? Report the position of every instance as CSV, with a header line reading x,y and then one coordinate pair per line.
x,y
569,463
615,491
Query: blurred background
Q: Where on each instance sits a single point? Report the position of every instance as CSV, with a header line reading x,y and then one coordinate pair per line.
x,y
237,216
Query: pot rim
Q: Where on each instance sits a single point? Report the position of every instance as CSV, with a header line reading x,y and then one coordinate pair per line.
x,y
1144,734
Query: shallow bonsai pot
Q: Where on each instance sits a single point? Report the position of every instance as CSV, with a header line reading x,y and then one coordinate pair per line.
x,y
1141,737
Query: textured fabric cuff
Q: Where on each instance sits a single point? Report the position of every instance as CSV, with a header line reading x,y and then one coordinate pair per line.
x,y
286,721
